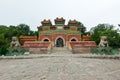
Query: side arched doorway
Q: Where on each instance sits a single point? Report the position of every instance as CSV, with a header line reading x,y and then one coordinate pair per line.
x,y
46,40
59,42
73,39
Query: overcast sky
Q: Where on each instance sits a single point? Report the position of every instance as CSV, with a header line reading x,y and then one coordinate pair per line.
x,y
32,12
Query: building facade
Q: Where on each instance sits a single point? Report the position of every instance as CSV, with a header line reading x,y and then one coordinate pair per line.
x,y
59,33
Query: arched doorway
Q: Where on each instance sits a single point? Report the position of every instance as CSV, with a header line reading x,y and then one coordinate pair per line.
x,y
73,39
46,40
59,42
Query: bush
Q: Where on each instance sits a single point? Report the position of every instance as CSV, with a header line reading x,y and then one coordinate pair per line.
x,y
16,51
105,50
3,50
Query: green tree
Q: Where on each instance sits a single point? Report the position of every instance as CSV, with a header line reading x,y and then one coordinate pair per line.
x,y
3,41
6,33
12,31
82,28
113,37
3,30
106,30
24,29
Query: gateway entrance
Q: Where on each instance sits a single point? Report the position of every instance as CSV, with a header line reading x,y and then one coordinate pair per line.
x,y
59,42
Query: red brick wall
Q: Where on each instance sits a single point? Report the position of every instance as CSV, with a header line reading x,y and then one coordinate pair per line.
x,y
59,35
73,36
35,44
84,44
68,38
45,37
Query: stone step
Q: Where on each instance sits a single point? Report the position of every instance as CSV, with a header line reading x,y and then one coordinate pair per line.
x,y
61,50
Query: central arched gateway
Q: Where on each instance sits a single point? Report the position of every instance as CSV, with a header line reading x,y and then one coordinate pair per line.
x,y
59,42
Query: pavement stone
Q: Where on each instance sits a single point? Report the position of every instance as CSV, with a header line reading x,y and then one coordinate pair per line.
x,y
60,68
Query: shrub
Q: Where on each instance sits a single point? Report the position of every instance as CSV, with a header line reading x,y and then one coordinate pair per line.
x,y
3,50
105,50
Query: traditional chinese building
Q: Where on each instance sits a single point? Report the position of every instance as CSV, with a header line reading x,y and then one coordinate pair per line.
x,y
59,34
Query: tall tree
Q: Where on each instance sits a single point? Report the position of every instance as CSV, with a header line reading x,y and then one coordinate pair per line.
x,y
106,30
24,29
3,30
82,28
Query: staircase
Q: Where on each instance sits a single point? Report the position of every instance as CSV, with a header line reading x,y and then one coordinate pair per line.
x,y
61,50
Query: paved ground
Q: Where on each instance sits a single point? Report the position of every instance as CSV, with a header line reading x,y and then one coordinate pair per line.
x,y
60,68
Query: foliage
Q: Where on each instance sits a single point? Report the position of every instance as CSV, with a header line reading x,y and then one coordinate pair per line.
x,y
82,28
16,51
3,50
113,36
24,29
7,32
105,50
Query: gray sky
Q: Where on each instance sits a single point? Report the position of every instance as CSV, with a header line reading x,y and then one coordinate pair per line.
x,y
31,12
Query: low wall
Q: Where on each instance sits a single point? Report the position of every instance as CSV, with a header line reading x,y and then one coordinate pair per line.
x,y
80,50
82,46
37,47
39,50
